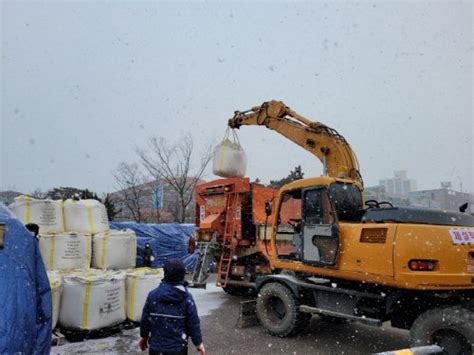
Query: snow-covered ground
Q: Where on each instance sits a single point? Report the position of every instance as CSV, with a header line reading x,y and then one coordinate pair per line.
x,y
219,318
209,299
127,341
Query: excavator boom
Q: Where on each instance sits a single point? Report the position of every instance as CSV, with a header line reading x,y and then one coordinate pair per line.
x,y
325,143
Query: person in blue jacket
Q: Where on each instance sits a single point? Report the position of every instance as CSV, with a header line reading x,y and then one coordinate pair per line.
x,y
170,315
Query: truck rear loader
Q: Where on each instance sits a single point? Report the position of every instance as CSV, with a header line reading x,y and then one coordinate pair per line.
x,y
233,229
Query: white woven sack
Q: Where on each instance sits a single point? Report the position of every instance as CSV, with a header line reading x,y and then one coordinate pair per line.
x,y
92,300
56,283
65,251
139,284
85,216
229,159
114,249
47,214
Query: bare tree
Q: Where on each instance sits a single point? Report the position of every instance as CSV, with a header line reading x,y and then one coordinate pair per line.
x,y
176,165
39,194
109,204
131,182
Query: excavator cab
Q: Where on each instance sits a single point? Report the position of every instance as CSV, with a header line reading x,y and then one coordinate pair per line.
x,y
308,214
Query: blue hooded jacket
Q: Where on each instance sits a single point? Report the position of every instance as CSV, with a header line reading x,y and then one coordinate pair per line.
x,y
170,315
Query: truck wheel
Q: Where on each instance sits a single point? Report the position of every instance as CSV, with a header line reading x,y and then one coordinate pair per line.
x,y
451,328
277,310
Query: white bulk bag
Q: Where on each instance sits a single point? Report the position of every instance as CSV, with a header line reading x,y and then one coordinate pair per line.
x,y
56,283
115,249
229,158
65,251
93,299
47,214
85,216
139,284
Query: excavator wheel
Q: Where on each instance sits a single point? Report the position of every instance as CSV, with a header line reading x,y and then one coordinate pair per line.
x,y
452,328
278,311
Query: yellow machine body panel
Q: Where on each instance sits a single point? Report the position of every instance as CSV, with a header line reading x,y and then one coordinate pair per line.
x,y
363,252
380,253
357,261
454,266
387,264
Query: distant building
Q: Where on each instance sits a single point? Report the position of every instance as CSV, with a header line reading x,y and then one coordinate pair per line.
x,y
399,186
8,197
375,193
153,194
444,198
379,194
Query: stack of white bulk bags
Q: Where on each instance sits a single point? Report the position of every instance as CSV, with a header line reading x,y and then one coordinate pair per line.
x,y
114,249
85,216
139,283
56,283
92,299
47,214
65,251
75,236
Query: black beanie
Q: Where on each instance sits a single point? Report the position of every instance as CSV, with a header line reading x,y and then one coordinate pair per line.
x,y
174,270
33,228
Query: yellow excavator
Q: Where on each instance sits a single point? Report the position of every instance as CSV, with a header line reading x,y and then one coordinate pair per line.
x,y
357,260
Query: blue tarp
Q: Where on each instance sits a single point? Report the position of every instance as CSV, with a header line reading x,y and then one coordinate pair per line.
x,y
166,240
25,294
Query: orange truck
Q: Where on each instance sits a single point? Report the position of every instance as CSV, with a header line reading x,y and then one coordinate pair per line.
x,y
234,231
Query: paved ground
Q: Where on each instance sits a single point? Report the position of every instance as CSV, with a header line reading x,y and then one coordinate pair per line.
x,y
318,338
219,315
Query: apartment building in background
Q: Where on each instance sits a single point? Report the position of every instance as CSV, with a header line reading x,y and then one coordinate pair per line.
x,y
399,185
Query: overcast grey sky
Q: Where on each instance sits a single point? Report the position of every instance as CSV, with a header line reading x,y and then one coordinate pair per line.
x,y
83,83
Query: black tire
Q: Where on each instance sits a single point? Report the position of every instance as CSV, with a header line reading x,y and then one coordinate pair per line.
x,y
451,328
238,290
278,311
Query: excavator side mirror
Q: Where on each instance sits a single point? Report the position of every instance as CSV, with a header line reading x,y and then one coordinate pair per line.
x,y
463,207
268,208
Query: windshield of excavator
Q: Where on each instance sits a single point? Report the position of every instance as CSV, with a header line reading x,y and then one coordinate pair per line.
x,y
347,200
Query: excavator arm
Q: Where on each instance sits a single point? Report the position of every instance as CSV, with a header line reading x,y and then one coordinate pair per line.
x,y
325,143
